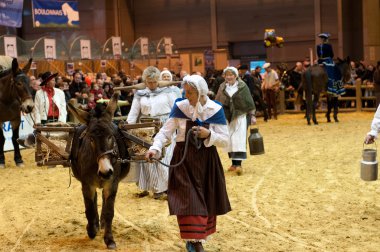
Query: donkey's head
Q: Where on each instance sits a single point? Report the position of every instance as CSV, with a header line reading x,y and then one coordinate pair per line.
x,y
20,83
99,140
345,69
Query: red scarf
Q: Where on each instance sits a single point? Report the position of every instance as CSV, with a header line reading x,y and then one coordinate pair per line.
x,y
53,109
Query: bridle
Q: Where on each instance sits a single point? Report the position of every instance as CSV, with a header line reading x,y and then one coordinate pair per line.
x,y
113,152
13,83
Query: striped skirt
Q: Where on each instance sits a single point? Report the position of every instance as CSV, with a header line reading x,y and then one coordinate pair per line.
x,y
196,227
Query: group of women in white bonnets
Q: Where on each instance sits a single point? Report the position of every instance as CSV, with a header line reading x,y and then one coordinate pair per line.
x,y
196,188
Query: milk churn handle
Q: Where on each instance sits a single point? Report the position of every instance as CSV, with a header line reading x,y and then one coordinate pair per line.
x,y
374,143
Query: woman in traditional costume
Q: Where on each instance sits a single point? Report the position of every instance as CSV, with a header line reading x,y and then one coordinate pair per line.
x,y
197,189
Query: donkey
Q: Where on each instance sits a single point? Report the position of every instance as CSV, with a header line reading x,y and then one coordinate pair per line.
x,y
15,95
96,147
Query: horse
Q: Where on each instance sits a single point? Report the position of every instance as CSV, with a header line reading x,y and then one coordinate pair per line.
x,y
96,147
315,80
71,14
15,95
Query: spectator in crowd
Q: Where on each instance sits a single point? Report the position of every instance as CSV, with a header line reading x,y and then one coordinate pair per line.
x,y
153,102
82,101
197,189
295,84
245,75
97,91
49,103
91,104
35,85
238,105
257,96
166,75
107,90
77,85
270,87
64,86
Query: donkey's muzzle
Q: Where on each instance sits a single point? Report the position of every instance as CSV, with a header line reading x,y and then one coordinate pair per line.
x,y
105,175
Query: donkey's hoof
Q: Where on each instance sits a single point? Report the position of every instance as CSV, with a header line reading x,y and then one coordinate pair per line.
x,y
20,165
110,243
91,232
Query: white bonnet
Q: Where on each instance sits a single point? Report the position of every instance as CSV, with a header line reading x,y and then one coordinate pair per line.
x,y
201,85
198,82
232,69
166,72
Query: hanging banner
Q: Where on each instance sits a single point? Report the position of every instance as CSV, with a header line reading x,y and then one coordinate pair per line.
x,y
11,13
144,46
10,46
70,68
55,13
168,46
85,49
50,52
116,46
25,129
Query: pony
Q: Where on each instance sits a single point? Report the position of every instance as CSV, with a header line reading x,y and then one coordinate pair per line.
x,y
15,95
71,14
314,82
96,147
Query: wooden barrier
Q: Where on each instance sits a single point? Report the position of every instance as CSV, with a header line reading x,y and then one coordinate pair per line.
x,y
357,99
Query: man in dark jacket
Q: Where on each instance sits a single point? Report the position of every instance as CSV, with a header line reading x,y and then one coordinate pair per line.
x,y
254,85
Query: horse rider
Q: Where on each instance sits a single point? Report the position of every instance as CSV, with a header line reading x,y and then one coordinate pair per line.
x,y
335,88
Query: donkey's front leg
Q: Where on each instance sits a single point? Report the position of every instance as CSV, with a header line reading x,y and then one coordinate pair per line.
x,y
109,195
89,194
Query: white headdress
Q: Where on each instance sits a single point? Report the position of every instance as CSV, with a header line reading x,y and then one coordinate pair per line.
x,y
166,72
232,69
200,84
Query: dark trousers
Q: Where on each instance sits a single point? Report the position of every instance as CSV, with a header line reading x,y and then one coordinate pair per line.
x,y
270,98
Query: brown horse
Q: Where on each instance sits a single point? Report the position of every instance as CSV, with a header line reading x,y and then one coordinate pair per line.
x,y
314,81
15,95
96,147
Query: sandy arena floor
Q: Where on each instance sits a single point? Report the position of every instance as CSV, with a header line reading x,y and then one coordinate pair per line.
x,y
304,194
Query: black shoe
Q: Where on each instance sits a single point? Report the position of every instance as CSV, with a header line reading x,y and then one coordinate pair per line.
x,y
328,117
28,141
336,119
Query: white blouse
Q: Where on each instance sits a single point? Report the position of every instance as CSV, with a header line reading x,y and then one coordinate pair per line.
x,y
219,133
152,103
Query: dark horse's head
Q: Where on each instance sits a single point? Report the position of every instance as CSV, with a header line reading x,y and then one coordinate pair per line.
x,y
98,140
344,67
20,85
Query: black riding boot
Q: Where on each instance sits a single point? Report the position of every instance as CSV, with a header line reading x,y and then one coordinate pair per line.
x,y
328,117
335,103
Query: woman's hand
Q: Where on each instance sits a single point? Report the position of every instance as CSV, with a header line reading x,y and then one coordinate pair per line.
x,y
149,155
253,120
201,132
369,139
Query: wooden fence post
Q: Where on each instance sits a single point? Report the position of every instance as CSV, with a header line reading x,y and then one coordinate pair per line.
x,y
358,86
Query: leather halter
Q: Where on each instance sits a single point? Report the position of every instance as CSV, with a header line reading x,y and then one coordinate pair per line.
x,y
20,99
113,152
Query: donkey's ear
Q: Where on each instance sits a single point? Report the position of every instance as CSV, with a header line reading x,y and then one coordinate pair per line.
x,y
14,66
81,115
112,104
26,68
339,60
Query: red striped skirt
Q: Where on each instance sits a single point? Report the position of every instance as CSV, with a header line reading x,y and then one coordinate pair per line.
x,y
196,227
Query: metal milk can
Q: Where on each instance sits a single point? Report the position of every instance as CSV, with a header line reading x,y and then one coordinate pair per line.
x,y
369,165
256,143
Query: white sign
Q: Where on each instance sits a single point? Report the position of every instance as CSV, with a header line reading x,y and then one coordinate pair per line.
x,y
144,46
85,49
25,129
50,52
10,46
168,45
116,46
